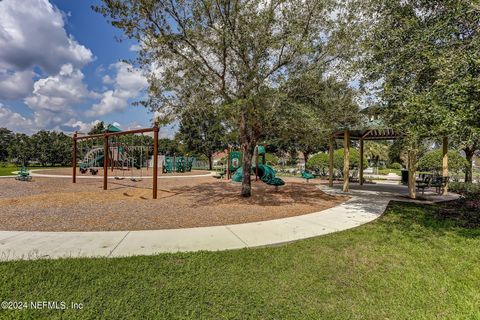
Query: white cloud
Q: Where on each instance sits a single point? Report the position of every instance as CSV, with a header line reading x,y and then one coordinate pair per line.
x,y
32,34
15,85
127,84
13,120
78,125
58,92
107,79
134,47
54,97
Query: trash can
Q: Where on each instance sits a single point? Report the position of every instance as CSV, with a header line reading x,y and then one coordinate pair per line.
x,y
404,176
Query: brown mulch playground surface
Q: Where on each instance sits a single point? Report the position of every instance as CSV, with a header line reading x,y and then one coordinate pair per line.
x,y
56,204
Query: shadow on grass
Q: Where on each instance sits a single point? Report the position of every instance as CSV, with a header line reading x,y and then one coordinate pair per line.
x,y
421,220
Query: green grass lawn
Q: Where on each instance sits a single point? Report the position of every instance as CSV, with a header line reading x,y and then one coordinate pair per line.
x,y
387,171
406,265
7,170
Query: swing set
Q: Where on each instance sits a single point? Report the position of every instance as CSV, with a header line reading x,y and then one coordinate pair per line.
x,y
123,155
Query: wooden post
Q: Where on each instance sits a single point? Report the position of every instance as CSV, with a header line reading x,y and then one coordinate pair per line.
x,y
412,168
74,160
445,163
113,156
361,162
346,161
105,160
228,163
330,161
256,166
155,160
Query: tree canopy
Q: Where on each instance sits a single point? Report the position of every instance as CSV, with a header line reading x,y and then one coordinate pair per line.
x,y
423,57
236,50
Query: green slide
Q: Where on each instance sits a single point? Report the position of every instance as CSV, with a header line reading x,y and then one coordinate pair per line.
x,y
265,173
92,162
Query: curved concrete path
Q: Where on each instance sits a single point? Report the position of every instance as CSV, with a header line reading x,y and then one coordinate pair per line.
x,y
360,209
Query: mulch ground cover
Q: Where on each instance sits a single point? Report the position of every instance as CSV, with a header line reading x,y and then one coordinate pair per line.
x,y
56,204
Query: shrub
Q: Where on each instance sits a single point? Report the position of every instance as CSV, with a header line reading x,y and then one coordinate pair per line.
x,y
432,161
395,166
271,159
320,160
465,189
354,159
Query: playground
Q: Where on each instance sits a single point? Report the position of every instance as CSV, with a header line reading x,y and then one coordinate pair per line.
x,y
55,204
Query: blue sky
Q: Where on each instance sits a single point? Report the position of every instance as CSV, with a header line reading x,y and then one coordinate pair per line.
x,y
61,68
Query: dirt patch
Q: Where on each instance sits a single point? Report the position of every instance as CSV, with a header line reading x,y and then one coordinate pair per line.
x,y
54,204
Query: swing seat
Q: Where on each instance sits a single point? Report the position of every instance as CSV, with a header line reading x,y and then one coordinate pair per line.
x,y
135,180
119,178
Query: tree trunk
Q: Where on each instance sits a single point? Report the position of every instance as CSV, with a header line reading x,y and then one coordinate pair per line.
x,y
210,162
469,152
247,142
305,158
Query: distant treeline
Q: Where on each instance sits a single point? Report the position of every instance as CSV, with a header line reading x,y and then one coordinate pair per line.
x,y
47,148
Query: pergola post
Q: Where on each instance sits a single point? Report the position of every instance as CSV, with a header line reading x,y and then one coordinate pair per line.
x,y
346,160
361,162
155,160
74,160
105,160
330,161
412,168
445,164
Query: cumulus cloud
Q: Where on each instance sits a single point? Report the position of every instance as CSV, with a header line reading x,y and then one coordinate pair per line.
x,y
13,120
59,92
32,34
15,85
134,47
54,98
80,126
127,84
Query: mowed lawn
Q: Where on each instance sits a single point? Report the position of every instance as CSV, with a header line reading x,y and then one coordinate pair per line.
x,y
7,170
406,265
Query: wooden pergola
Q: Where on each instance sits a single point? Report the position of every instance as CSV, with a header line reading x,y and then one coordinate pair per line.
x,y
374,135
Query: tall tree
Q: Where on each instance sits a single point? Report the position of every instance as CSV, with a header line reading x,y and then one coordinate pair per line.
x,y
311,108
202,132
424,58
99,127
6,137
20,150
236,50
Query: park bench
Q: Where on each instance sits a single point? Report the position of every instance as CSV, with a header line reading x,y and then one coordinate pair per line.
x,y
424,183
440,183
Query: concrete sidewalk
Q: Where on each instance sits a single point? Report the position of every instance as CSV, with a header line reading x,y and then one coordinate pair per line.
x,y
361,208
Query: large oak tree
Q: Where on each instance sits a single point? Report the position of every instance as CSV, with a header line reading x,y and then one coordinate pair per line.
x,y
236,50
